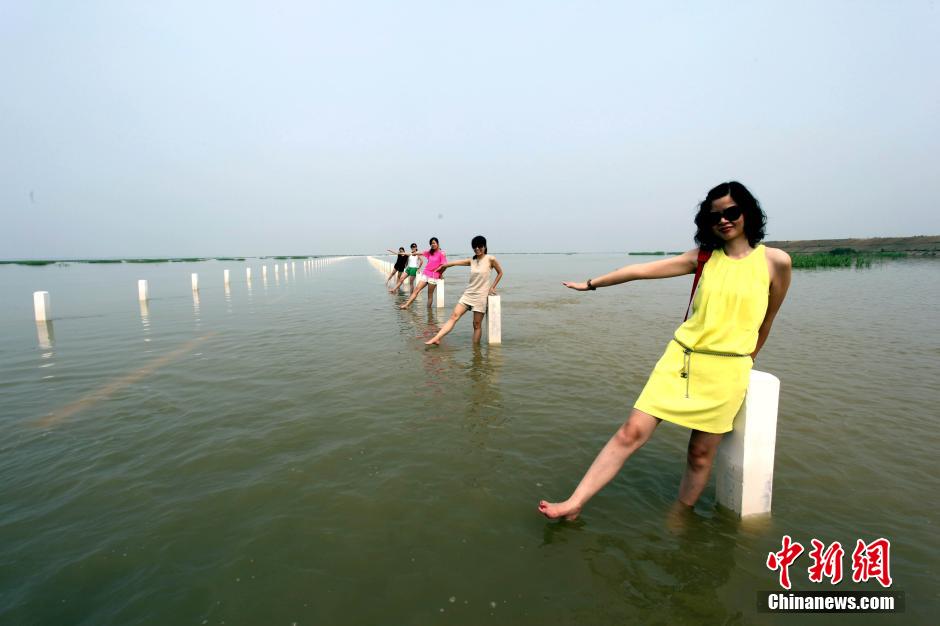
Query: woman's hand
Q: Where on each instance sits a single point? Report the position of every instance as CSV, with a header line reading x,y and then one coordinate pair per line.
x,y
492,291
576,286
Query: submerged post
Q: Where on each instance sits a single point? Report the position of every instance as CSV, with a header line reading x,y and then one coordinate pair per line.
x,y
42,306
143,290
195,282
440,293
225,276
745,461
494,315
248,274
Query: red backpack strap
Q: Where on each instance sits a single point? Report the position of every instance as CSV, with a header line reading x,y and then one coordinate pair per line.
x,y
703,256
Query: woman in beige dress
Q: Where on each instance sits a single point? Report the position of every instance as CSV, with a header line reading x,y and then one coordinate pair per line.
x,y
479,289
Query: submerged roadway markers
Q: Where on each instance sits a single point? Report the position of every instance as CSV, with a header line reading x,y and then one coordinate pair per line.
x,y
494,315
106,391
745,464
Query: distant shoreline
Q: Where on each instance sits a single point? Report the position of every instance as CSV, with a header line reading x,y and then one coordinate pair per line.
x,y
920,245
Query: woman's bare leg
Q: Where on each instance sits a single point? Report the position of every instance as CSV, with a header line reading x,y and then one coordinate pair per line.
x,y
702,449
431,290
390,276
448,326
414,294
477,326
401,279
629,438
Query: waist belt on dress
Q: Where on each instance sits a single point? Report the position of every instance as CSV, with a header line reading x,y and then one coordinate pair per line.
x,y
687,361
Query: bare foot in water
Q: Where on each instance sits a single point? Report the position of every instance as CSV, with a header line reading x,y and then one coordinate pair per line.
x,y
433,342
403,306
554,510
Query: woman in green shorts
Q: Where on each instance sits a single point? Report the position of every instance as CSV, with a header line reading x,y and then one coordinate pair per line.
x,y
415,261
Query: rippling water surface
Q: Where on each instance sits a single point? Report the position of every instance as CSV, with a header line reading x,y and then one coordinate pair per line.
x,y
291,453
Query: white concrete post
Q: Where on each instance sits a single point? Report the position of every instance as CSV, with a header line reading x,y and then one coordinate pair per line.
x,y
42,306
293,267
276,270
264,271
225,276
248,274
439,293
746,456
494,315
195,282
143,290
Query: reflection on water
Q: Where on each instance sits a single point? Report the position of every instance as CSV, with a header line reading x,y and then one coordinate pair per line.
x,y
145,319
483,390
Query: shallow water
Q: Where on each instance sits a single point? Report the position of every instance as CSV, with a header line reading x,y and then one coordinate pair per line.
x,y
291,453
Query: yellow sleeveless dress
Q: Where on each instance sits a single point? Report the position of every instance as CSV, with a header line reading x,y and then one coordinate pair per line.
x,y
700,383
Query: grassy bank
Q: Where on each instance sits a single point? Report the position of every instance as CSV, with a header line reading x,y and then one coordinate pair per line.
x,y
841,257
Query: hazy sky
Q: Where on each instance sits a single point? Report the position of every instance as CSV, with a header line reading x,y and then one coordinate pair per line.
x,y
251,128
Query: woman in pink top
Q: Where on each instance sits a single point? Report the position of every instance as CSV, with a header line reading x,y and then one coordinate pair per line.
x,y
429,276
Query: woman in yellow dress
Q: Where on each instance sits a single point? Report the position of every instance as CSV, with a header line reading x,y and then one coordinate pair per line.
x,y
702,377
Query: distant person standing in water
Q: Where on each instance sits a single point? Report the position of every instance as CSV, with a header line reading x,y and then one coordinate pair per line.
x,y
400,264
415,261
701,379
475,295
429,276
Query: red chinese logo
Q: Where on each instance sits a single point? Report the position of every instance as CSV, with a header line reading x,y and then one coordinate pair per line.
x,y
872,561
826,563
869,560
783,559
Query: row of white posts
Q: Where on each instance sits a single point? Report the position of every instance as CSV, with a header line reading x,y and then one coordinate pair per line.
x,y
494,330
745,463
43,309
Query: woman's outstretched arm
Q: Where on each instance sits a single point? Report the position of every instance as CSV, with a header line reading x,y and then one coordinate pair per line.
x,y
680,265
440,268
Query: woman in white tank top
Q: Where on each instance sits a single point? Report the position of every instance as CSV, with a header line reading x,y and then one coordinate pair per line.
x,y
475,295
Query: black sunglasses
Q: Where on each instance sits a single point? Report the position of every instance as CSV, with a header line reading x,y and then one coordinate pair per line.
x,y
731,213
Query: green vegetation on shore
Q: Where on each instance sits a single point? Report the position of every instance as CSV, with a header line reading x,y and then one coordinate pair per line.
x,y
656,253
841,257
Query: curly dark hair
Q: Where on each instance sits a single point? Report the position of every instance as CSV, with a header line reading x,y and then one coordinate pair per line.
x,y
755,220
